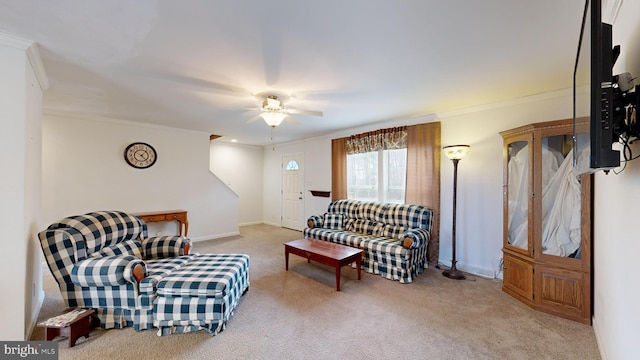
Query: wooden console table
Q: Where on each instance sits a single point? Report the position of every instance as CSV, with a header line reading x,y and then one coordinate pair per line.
x,y
171,215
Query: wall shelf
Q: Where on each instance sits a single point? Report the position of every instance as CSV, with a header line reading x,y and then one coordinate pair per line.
x,y
320,193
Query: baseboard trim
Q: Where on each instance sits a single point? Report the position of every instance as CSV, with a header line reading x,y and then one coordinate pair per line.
x,y
251,223
216,236
485,273
596,331
35,315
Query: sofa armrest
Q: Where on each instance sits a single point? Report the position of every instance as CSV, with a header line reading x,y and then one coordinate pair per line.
x,y
315,221
165,247
415,238
108,271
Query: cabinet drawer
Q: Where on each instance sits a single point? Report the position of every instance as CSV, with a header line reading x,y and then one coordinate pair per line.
x,y
154,218
171,217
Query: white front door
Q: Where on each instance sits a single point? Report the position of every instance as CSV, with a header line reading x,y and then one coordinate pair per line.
x,y
292,192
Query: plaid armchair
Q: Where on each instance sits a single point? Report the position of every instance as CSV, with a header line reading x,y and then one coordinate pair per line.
x,y
105,260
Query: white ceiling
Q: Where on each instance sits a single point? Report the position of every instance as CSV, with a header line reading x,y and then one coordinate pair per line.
x,y
198,64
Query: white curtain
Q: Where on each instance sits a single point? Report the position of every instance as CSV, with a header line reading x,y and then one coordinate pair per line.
x,y
560,201
561,208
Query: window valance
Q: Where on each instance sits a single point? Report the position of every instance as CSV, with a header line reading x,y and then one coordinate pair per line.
x,y
383,139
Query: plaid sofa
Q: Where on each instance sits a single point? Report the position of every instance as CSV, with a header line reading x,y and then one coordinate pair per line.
x,y
394,237
92,257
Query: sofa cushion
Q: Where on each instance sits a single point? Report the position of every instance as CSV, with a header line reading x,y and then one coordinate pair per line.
x,y
335,236
384,247
348,224
158,269
372,211
392,231
164,246
410,216
333,221
207,275
128,247
348,208
366,227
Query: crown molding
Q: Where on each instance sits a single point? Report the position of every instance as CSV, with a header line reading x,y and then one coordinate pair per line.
x,y
610,10
514,102
31,49
79,115
36,64
13,41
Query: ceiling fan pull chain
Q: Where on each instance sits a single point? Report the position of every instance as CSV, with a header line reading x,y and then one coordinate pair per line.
x,y
273,145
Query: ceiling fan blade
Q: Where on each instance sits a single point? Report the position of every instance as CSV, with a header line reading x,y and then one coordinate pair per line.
x,y
200,84
257,117
292,120
304,112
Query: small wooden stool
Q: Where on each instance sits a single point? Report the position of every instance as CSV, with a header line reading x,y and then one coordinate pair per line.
x,y
74,329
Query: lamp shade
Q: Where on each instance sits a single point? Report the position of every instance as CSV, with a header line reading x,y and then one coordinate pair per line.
x,y
456,152
272,118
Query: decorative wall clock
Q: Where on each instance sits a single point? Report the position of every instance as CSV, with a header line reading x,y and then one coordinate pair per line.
x,y
140,155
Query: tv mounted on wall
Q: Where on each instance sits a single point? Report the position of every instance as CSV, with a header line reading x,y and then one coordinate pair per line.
x,y
612,99
603,57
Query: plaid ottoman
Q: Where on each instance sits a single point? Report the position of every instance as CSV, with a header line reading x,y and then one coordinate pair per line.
x,y
201,294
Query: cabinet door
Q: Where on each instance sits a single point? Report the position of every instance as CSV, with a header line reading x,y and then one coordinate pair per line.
x,y
562,231
517,194
518,278
557,213
563,292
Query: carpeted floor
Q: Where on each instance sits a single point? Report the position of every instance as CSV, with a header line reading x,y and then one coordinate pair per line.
x,y
299,315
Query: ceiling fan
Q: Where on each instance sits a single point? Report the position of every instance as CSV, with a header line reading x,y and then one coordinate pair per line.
x,y
274,111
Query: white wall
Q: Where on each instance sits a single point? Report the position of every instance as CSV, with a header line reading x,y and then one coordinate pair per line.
x,y
240,168
20,183
84,170
616,319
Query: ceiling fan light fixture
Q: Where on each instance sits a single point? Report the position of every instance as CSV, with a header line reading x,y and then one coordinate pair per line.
x,y
272,104
273,119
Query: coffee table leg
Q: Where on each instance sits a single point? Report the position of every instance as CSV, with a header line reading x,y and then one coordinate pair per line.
x,y
359,265
286,258
338,277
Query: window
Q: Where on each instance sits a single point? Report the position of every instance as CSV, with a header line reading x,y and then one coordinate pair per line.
x,y
377,175
291,166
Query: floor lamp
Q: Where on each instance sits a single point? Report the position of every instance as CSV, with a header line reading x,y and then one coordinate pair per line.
x,y
455,153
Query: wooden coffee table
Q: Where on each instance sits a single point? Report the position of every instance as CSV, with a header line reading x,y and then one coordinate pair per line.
x,y
326,253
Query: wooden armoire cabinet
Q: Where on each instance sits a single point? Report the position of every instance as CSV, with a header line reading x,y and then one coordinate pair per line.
x,y
547,219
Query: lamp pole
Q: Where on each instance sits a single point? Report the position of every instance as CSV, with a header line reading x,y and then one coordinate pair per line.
x,y
455,153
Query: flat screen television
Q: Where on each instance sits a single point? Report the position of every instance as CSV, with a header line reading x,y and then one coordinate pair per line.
x,y
593,147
